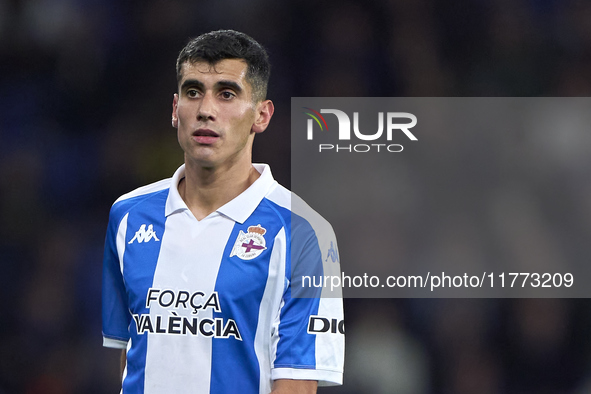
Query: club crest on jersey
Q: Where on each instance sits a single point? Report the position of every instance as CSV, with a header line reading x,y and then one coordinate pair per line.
x,y
250,244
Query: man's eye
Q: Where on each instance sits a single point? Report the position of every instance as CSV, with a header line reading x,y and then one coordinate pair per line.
x,y
192,93
227,95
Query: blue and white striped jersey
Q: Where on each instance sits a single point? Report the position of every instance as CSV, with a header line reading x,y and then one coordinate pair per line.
x,y
209,306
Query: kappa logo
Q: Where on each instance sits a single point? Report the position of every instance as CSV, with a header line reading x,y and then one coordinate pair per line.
x,y
143,235
332,254
250,244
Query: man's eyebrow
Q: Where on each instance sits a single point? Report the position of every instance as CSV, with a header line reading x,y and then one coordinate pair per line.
x,y
219,85
229,84
191,83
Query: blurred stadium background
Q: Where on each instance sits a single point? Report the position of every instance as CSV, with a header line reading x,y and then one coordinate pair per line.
x,y
85,98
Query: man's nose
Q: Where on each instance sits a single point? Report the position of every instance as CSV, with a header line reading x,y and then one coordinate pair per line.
x,y
207,108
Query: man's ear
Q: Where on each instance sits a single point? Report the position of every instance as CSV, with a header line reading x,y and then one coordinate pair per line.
x,y
175,104
264,114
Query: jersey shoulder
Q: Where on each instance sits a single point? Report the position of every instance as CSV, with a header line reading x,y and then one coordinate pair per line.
x,y
299,210
129,200
145,190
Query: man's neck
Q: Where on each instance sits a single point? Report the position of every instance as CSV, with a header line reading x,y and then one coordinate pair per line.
x,y
204,190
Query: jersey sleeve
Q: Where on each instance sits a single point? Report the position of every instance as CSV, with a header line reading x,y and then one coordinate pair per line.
x,y
309,334
115,312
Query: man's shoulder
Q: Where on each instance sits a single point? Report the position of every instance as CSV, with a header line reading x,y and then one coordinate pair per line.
x,y
299,210
145,190
134,198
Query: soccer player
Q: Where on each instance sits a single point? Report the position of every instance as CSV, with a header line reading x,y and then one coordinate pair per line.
x,y
203,272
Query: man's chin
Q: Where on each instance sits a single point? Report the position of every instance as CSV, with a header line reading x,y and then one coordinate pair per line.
x,y
203,161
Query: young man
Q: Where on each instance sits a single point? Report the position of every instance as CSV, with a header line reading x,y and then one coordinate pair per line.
x,y
201,270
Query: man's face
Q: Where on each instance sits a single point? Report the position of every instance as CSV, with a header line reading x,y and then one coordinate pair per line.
x,y
214,113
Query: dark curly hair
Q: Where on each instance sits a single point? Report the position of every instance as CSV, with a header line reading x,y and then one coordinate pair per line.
x,y
229,44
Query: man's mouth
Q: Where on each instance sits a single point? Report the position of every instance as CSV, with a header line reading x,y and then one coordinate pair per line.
x,y
205,136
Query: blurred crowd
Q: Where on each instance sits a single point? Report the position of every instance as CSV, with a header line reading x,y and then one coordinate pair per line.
x,y
85,100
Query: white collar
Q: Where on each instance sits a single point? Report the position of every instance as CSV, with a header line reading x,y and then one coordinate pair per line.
x,y
240,208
